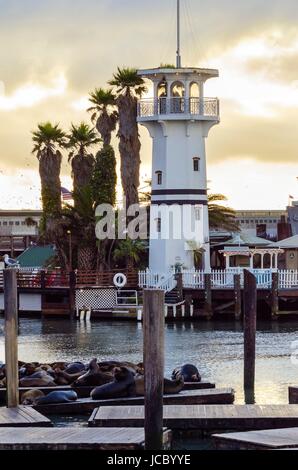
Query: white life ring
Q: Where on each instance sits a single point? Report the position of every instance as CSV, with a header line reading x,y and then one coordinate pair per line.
x,y
120,280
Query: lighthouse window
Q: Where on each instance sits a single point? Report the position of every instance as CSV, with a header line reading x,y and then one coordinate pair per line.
x,y
159,177
196,164
158,225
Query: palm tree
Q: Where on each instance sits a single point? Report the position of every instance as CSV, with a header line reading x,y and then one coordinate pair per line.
x,y
48,140
220,216
80,220
129,86
81,138
103,112
130,251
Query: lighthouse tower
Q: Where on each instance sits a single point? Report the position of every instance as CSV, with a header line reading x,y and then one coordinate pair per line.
x,y
178,118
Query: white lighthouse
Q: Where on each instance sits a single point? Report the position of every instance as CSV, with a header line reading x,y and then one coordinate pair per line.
x,y
178,118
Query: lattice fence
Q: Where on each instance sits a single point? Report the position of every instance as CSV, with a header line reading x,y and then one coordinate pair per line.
x,y
96,299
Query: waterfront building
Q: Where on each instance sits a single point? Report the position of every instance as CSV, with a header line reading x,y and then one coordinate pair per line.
x,y
18,230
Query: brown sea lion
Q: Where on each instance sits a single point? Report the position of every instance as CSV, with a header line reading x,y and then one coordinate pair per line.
x,y
93,379
63,378
123,385
29,397
44,381
171,387
189,372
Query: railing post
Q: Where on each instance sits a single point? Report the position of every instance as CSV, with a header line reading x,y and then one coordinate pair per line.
x,y
11,338
153,352
72,292
250,323
274,296
42,279
237,296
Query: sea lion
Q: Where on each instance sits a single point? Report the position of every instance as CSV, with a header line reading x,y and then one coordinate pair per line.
x,y
109,366
64,378
171,387
122,386
58,396
44,381
75,367
189,372
94,376
29,397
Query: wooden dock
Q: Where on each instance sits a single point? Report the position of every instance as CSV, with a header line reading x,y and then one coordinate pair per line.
x,y
257,440
192,397
22,416
84,392
202,417
75,439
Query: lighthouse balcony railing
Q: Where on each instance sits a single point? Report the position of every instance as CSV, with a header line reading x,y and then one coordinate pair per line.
x,y
150,107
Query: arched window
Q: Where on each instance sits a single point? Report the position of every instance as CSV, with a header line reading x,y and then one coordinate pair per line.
x,y
196,164
158,177
177,97
194,90
194,98
162,91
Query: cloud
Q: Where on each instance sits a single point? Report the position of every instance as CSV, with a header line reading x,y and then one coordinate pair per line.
x,y
31,94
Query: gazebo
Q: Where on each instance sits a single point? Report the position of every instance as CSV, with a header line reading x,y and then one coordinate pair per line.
x,y
247,251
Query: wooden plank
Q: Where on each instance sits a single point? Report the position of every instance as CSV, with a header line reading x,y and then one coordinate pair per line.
x,y
204,417
75,439
22,416
257,440
191,397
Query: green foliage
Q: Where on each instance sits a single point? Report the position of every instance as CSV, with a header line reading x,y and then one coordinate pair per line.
x,y
130,251
220,216
167,66
101,99
80,138
127,81
48,136
104,178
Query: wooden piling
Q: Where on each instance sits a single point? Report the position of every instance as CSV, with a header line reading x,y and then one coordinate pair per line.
x,y
237,296
250,324
274,296
208,296
11,338
153,352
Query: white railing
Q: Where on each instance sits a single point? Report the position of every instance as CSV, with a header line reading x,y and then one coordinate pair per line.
x,y
220,279
288,279
127,298
208,107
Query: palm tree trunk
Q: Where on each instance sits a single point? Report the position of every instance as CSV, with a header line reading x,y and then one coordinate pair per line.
x,y
82,169
49,171
129,147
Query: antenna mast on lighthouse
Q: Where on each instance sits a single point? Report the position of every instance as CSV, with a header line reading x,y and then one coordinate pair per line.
x,y
178,55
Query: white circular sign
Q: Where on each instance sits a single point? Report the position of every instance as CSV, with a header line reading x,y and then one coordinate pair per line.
x,y
120,280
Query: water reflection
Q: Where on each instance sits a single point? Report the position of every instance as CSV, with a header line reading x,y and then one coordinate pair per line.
x,y
216,347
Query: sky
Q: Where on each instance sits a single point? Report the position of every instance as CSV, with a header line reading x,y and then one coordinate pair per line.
x,y
54,52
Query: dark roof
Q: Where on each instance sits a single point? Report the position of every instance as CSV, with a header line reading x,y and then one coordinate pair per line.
x,y
36,256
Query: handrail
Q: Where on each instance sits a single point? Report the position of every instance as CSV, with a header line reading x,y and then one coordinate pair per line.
x,y
148,107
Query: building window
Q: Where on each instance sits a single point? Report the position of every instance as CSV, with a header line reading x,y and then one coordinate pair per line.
x,y
158,225
17,223
5,223
10,223
196,164
159,177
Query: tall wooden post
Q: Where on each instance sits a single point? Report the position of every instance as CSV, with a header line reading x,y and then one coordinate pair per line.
x,y
11,337
274,296
179,287
250,324
208,295
153,352
237,296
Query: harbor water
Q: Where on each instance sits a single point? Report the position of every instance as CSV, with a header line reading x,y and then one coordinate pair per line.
x,y
215,347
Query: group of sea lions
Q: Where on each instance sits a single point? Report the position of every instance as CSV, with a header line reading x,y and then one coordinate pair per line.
x,y
108,379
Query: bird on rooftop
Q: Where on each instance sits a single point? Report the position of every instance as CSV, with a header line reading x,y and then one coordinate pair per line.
x,y
10,262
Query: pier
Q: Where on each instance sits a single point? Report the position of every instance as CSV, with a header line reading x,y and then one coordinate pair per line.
x,y
22,416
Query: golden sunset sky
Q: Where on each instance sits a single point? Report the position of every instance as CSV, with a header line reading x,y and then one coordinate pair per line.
x,y
53,52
